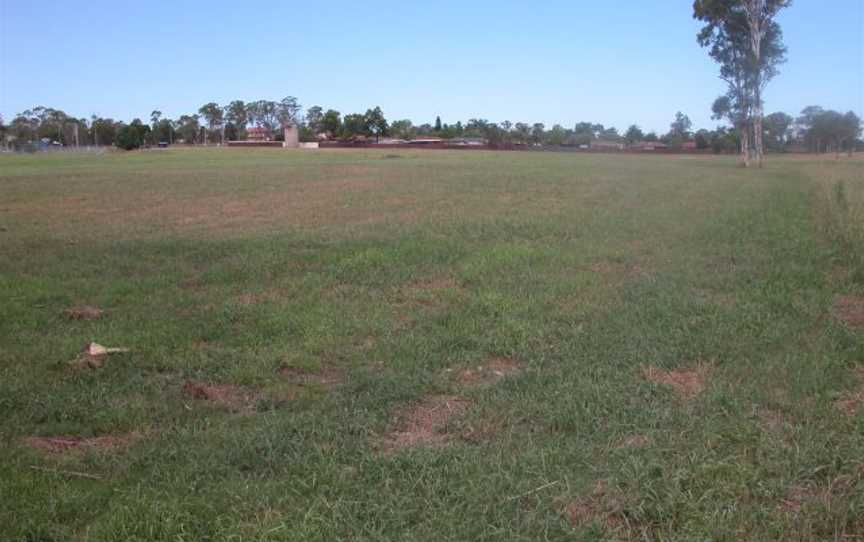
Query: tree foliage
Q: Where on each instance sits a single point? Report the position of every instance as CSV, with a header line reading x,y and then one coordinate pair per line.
x,y
633,134
680,127
743,37
287,111
132,136
376,124
827,130
777,130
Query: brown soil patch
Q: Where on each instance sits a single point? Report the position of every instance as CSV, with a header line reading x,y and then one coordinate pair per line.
x,y
601,506
688,383
323,377
797,497
851,401
633,441
422,423
232,397
69,443
83,312
850,310
822,494
491,372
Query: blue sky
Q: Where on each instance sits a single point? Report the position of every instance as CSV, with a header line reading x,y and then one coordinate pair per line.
x,y
616,62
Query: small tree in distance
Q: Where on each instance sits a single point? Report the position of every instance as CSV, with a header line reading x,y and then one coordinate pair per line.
x,y
375,122
634,134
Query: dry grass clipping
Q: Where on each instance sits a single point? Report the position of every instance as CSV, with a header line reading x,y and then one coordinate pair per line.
x,y
494,370
633,441
324,377
56,445
83,312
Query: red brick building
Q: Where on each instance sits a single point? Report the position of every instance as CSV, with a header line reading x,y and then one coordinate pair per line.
x,y
257,133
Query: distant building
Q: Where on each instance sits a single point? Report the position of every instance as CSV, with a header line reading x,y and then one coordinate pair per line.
x,y
648,146
469,141
258,133
426,140
689,146
606,145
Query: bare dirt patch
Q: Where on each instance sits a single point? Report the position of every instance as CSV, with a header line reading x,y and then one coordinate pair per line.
x,y
687,383
234,398
322,377
83,312
494,370
850,310
602,506
70,443
824,493
422,423
797,497
851,401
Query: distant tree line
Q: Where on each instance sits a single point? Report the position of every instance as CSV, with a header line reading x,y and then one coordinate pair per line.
x,y
815,130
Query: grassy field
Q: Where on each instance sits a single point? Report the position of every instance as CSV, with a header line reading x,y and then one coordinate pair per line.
x,y
363,345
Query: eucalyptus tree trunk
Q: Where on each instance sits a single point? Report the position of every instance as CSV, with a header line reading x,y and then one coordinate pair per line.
x,y
754,10
757,129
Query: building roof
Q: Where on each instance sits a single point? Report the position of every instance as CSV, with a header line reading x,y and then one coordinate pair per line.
x,y
605,143
648,145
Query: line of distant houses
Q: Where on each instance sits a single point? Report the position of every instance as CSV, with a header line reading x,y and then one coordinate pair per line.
x,y
262,137
597,145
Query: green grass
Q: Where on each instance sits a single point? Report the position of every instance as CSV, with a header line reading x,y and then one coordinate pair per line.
x,y
225,266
